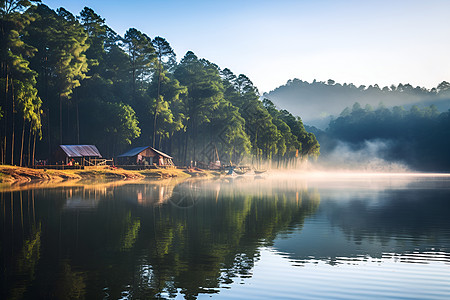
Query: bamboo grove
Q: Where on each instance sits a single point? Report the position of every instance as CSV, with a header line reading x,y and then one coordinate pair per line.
x,y
69,79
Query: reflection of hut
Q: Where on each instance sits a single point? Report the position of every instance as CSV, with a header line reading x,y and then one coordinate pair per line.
x,y
145,156
153,195
80,203
67,154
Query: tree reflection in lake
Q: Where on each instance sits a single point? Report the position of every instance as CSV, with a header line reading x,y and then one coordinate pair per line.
x,y
196,238
141,240
375,218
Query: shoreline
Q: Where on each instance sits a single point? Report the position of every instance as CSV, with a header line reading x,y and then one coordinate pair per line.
x,y
23,175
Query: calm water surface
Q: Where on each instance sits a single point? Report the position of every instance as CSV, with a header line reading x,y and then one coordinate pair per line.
x,y
314,236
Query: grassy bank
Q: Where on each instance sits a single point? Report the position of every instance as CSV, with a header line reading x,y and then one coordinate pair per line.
x,y
12,174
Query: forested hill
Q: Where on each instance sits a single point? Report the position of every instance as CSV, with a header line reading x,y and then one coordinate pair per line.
x,y
379,139
67,79
317,101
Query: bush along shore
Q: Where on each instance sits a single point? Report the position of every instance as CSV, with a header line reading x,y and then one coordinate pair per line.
x,y
13,174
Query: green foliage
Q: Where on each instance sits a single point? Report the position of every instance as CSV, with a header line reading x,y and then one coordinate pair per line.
x,y
204,86
141,57
29,103
19,100
74,80
112,126
61,46
131,234
164,52
167,110
100,38
418,136
8,7
317,101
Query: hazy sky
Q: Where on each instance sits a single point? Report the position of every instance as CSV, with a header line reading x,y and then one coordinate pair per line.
x,y
363,42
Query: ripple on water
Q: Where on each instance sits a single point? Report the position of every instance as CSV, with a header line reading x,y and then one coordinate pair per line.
x,y
275,276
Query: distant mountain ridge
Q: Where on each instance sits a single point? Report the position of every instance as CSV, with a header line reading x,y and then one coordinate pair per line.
x,y
317,102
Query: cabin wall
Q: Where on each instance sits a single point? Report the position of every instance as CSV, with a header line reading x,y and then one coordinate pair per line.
x,y
148,153
145,157
59,156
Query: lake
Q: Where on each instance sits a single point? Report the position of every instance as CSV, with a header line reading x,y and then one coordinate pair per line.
x,y
277,236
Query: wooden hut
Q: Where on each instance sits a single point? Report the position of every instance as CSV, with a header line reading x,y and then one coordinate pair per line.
x,y
80,154
145,156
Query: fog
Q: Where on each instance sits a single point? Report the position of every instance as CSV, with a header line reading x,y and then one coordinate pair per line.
x,y
318,102
367,158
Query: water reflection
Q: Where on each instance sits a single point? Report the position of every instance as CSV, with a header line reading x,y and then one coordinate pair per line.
x,y
147,240
406,217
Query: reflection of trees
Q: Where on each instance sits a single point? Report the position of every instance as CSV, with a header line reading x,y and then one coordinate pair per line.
x,y
362,225
214,241
25,263
131,232
419,215
120,246
69,284
20,244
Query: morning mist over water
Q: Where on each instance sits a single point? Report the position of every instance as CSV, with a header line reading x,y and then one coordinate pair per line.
x,y
400,126
229,237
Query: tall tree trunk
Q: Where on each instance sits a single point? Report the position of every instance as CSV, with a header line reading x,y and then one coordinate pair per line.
x,y
46,93
78,121
154,126
60,120
5,118
12,123
134,81
186,146
34,148
21,146
29,144
68,131
194,138
157,102
170,143
180,147
48,132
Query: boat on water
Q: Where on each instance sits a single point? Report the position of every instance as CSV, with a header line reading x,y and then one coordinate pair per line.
x,y
237,170
258,172
240,172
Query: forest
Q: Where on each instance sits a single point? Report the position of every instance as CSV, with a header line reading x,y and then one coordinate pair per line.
x,y
418,137
318,101
69,79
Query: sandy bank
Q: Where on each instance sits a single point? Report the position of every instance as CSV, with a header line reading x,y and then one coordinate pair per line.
x,y
12,174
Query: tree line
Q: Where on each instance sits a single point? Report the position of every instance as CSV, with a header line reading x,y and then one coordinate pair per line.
x,y
319,100
418,137
69,79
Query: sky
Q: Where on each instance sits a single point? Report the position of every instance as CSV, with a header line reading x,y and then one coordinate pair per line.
x,y
360,42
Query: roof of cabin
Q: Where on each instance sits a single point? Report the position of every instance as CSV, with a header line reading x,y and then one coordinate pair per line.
x,y
137,150
80,150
